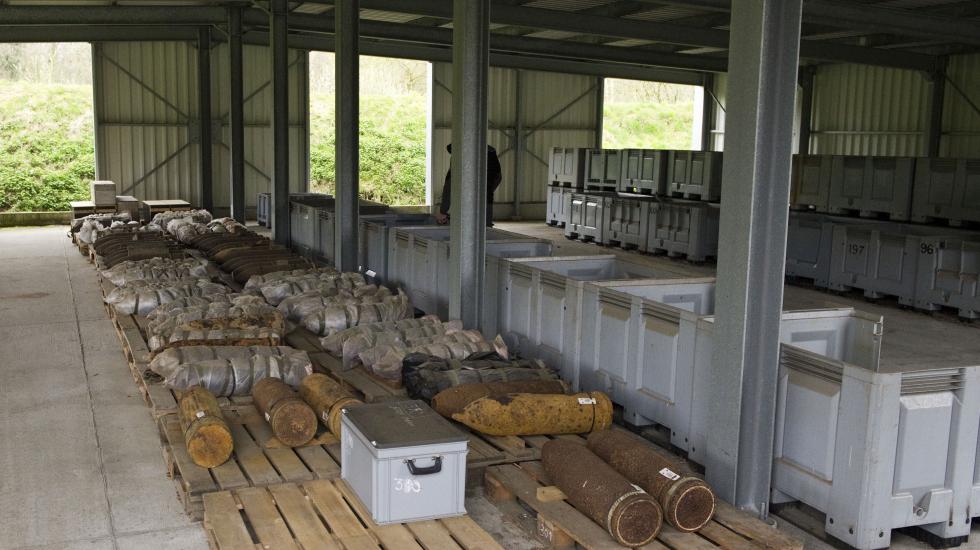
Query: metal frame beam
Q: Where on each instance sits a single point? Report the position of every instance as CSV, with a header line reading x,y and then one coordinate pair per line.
x,y
937,106
707,111
467,249
204,117
236,111
751,254
280,119
807,75
346,128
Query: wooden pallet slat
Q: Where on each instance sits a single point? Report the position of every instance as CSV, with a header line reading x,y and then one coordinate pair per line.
x,y
224,523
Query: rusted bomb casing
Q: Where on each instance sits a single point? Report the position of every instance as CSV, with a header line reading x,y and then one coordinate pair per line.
x,y
538,414
208,439
687,502
327,398
293,421
453,400
632,516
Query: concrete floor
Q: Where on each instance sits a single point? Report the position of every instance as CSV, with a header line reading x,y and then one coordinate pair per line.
x,y
80,462
80,459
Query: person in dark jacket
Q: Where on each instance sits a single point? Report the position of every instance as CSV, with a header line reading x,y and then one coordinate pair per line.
x,y
494,176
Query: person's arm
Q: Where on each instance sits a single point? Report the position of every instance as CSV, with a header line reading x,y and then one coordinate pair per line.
x,y
445,202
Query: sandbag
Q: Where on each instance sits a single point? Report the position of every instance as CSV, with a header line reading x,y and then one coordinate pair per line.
x,y
424,376
230,370
141,297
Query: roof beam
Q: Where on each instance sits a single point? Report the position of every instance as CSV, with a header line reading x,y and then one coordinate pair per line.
x,y
111,15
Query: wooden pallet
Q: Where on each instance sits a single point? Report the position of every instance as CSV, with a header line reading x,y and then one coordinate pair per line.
x,y
324,514
259,459
517,487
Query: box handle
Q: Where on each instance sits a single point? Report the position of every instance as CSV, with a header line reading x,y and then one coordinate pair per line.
x,y
426,470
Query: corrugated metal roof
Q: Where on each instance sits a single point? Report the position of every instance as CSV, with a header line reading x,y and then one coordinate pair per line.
x,y
388,16
568,5
667,13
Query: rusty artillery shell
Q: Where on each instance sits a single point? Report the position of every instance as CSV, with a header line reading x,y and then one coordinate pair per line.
x,y
206,434
453,400
327,398
291,419
688,503
538,414
630,515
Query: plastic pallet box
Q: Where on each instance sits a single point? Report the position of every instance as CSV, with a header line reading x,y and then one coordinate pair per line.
x,y
810,188
603,169
304,224
566,167
585,216
126,204
947,189
872,186
327,222
625,221
404,461
683,228
103,193
263,209
539,299
876,451
694,174
643,171
374,236
948,273
557,201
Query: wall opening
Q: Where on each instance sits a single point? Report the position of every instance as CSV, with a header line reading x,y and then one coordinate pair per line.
x,y
393,115
648,115
47,138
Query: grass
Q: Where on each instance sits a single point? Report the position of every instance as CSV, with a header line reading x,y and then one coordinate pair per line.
x,y
647,125
47,153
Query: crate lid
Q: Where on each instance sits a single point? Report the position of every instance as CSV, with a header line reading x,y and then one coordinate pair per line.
x,y
392,424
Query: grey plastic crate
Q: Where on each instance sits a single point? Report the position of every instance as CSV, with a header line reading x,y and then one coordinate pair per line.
x,y
625,221
585,215
809,242
872,186
947,189
876,451
374,237
602,169
263,207
539,299
683,228
304,224
643,171
566,167
557,201
811,182
948,273
327,222
694,174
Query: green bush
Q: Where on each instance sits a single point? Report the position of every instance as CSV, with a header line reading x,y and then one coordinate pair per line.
x,y
392,146
647,125
47,144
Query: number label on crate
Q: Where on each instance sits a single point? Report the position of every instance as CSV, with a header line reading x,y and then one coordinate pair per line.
x,y
927,248
407,485
855,249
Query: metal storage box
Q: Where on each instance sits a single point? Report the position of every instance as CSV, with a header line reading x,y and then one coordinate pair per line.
x,y
404,461
810,182
585,216
566,167
625,221
374,236
683,228
263,207
539,299
643,171
126,204
948,273
103,193
872,185
602,169
876,450
557,202
947,189
694,174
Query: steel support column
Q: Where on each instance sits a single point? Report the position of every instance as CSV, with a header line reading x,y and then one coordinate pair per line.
x,y
936,111
280,120
204,115
347,169
806,108
467,250
236,112
763,59
707,110
600,100
520,142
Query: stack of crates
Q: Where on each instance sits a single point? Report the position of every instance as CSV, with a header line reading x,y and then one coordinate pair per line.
x,y
566,175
